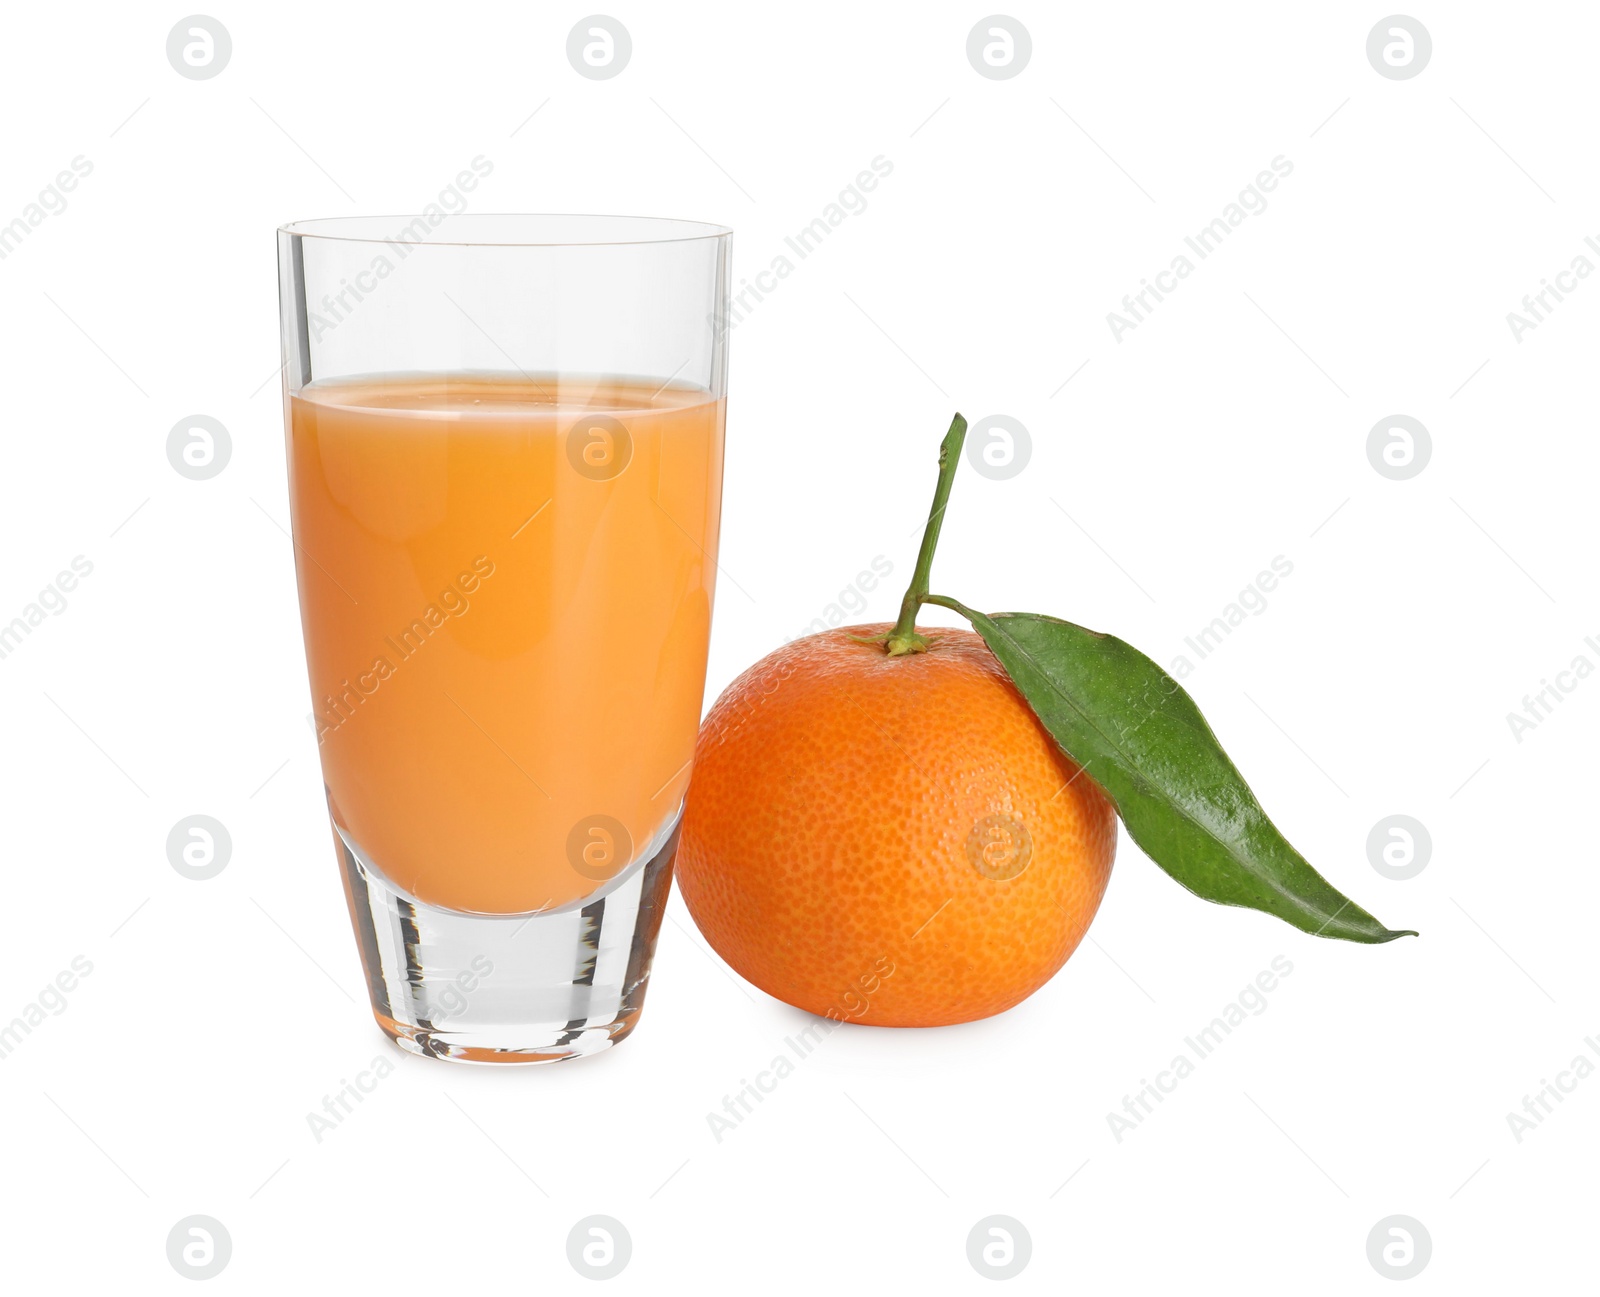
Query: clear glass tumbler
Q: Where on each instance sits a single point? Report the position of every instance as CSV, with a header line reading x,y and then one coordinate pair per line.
x,y
505,470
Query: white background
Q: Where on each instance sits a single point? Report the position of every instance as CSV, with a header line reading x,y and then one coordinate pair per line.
x,y
1228,428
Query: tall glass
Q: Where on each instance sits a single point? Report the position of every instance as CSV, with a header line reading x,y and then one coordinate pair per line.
x,y
505,473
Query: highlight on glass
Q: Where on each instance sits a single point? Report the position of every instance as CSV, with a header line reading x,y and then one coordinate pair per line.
x,y
505,440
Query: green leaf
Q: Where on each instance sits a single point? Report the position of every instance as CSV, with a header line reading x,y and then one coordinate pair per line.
x,y
1136,732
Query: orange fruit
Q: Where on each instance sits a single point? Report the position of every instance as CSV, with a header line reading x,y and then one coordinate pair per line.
x,y
890,840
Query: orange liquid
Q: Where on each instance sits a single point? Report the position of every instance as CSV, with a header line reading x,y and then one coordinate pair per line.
x,y
506,634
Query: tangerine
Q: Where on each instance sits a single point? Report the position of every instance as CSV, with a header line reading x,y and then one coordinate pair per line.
x,y
895,840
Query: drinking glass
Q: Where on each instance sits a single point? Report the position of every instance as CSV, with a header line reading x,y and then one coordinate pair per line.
x,y
505,472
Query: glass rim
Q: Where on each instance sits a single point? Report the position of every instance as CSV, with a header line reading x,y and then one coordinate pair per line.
x,y
605,230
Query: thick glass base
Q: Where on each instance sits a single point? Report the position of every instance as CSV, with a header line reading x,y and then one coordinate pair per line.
x,y
526,988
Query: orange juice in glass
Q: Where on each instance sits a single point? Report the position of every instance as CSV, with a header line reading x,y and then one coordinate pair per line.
x,y
505,467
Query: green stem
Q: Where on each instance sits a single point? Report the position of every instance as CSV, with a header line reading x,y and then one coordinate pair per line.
x,y
955,605
904,638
